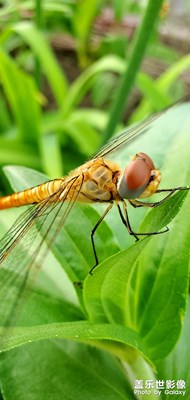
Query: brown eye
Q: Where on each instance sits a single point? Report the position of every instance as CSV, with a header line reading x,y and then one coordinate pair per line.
x,y
147,159
136,177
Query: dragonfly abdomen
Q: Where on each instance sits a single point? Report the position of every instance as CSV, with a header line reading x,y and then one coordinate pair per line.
x,y
30,196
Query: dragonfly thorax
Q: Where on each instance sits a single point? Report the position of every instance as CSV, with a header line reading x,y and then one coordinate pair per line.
x,y
97,179
140,178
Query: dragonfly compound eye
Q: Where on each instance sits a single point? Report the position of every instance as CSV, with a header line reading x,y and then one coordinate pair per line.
x,y
136,176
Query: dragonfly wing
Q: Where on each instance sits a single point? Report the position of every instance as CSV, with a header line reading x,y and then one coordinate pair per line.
x,y
128,135
26,244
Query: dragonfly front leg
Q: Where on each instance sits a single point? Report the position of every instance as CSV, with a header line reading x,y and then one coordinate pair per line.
x,y
139,203
93,232
125,220
134,204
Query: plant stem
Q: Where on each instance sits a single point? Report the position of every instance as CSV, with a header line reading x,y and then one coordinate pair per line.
x,y
138,369
136,366
139,46
39,24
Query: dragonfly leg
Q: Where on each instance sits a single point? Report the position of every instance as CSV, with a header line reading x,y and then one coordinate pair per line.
x,y
125,220
92,235
134,204
138,203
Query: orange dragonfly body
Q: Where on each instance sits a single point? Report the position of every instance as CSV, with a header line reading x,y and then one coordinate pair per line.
x,y
99,180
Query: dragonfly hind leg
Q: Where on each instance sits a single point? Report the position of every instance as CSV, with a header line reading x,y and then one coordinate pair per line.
x,y
125,220
92,235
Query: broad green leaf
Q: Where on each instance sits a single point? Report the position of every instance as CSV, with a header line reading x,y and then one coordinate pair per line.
x,y
58,358
45,307
167,278
121,295
21,178
118,294
82,331
127,293
94,298
162,215
60,369
175,367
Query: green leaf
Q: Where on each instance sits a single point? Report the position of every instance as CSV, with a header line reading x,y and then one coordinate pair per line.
x,y
82,21
157,97
48,6
48,62
168,259
163,84
94,298
138,48
135,299
162,215
120,7
89,139
82,331
175,367
61,369
22,95
125,288
5,120
15,152
50,150
94,117
82,84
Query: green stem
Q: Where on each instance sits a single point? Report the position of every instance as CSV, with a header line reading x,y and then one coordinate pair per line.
x,y
139,46
138,369
39,24
136,366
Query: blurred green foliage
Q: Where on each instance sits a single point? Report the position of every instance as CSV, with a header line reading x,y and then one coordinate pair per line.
x,y
42,131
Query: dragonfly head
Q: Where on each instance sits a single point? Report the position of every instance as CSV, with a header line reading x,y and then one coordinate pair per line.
x,y
140,178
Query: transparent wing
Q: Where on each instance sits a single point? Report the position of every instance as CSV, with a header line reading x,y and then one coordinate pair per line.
x,y
26,244
128,135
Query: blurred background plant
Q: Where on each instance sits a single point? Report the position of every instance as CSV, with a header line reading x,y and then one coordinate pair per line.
x,y
65,73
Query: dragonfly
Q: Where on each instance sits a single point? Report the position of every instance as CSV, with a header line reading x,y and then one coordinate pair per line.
x,y
99,180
